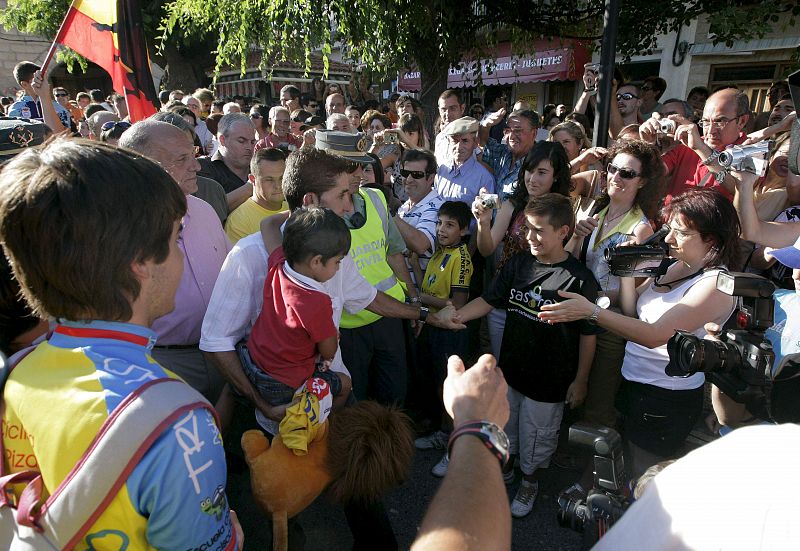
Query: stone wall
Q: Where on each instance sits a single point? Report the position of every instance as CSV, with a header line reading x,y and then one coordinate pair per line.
x,y
16,47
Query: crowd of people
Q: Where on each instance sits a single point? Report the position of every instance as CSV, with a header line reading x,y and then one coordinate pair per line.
x,y
332,237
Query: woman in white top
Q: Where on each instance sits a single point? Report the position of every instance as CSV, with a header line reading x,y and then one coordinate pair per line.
x,y
659,410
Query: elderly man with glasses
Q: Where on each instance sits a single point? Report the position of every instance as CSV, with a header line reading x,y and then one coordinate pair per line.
x,y
280,135
693,162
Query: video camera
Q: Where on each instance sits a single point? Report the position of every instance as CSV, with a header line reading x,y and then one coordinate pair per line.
x,y
606,501
752,158
740,362
646,260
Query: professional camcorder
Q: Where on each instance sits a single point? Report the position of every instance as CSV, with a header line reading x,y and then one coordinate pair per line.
x,y
747,158
740,362
646,260
606,501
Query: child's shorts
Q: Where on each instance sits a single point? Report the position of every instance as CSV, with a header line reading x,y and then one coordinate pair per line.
x,y
272,390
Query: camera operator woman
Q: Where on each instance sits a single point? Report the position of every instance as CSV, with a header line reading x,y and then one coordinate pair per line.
x,y
659,410
622,216
544,170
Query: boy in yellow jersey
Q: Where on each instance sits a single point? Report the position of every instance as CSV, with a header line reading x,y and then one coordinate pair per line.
x,y
446,280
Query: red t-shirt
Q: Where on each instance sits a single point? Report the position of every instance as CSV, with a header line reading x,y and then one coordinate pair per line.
x,y
292,321
689,171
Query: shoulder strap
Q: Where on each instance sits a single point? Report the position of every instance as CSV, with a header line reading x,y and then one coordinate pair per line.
x,y
122,441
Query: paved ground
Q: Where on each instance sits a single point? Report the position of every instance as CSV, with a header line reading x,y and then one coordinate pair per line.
x,y
325,527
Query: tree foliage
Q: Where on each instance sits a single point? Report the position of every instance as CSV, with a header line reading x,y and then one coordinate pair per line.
x,y
44,17
387,35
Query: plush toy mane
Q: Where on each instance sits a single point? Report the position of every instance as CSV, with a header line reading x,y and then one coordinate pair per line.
x,y
370,449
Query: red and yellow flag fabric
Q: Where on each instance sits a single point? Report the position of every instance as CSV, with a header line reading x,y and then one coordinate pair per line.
x,y
109,33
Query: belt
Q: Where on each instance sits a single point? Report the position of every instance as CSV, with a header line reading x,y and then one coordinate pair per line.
x,y
175,346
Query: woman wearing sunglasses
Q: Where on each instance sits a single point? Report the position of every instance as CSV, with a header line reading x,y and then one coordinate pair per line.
x,y
659,411
544,170
622,215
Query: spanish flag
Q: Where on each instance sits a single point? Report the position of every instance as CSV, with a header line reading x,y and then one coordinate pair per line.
x,y
109,33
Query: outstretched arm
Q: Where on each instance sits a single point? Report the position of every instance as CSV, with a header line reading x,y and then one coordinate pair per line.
x,y
462,516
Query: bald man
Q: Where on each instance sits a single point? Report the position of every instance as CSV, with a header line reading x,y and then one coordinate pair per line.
x,y
693,162
204,246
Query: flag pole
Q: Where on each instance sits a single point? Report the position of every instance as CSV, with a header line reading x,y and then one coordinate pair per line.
x,y
52,51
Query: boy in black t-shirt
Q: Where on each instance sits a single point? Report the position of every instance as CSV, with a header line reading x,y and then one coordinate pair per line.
x,y
545,365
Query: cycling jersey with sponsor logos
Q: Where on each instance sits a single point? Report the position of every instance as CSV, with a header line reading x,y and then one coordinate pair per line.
x,y
57,398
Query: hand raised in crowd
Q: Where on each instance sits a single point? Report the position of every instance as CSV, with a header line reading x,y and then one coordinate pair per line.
x,y
309,136
590,155
576,307
689,135
585,227
784,125
650,129
481,213
40,85
476,393
495,118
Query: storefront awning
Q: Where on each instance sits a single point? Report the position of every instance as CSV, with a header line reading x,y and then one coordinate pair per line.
x,y
551,61
745,46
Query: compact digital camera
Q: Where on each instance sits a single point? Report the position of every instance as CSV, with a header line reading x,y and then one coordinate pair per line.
x,y
490,201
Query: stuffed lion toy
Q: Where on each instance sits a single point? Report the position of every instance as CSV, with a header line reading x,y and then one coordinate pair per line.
x,y
360,453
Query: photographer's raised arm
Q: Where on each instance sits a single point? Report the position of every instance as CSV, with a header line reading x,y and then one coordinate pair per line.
x,y
769,234
701,303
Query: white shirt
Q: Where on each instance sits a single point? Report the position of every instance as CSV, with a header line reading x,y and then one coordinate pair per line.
x,y
738,493
239,294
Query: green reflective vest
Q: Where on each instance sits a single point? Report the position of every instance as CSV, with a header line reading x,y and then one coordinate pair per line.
x,y
368,251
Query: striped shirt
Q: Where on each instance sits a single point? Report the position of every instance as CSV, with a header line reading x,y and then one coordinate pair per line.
x,y
423,216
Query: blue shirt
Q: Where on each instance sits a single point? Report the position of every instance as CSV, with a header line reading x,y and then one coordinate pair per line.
x,y
462,183
29,108
174,497
498,156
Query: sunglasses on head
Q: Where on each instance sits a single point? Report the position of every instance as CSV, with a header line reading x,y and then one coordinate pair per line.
x,y
416,174
624,173
115,124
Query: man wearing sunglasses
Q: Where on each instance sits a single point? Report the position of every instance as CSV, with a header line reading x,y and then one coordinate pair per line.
x,y
693,162
417,217
625,111
62,97
651,91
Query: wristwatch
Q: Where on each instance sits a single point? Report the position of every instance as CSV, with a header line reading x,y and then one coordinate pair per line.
x,y
711,158
423,313
490,434
600,304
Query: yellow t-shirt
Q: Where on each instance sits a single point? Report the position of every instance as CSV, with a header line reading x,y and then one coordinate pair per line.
x,y
246,219
449,269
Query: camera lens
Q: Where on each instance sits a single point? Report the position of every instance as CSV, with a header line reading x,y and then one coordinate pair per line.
x,y
689,354
572,513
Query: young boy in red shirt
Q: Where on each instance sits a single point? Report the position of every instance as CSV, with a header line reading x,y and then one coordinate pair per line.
x,y
294,337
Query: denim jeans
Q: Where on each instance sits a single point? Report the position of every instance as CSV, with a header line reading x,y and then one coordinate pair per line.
x,y
272,390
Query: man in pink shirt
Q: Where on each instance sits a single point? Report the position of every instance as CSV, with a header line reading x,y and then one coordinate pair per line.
x,y
204,246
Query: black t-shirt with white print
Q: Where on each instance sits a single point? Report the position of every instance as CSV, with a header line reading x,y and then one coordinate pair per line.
x,y
538,359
